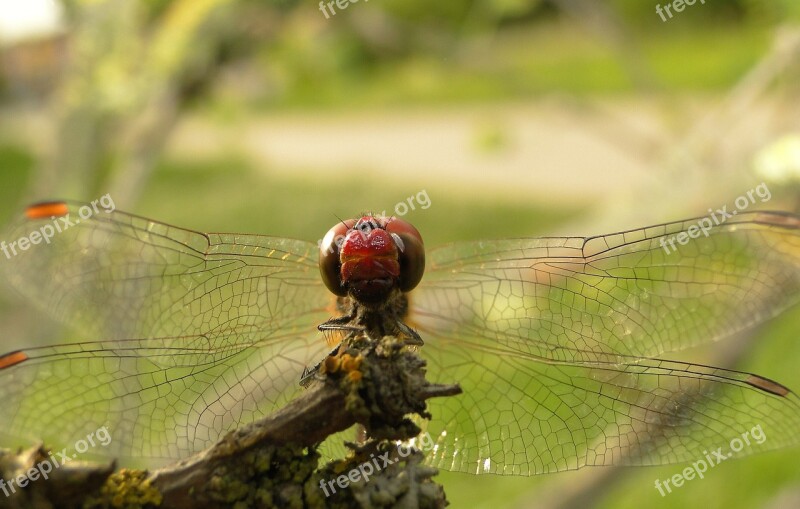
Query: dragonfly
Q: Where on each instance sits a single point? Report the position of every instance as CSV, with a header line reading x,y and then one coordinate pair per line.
x,y
557,342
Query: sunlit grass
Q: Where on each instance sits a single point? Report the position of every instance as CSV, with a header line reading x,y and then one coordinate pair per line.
x,y
530,62
230,195
17,165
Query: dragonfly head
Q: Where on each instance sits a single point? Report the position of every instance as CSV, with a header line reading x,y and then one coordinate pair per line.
x,y
368,257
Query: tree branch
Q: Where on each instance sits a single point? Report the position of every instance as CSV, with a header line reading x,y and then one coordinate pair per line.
x,y
273,462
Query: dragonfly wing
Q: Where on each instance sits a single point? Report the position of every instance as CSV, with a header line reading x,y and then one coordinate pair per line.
x,y
117,275
523,416
158,398
552,341
225,325
573,298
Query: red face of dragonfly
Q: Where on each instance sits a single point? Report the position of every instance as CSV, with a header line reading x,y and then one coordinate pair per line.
x,y
555,341
370,256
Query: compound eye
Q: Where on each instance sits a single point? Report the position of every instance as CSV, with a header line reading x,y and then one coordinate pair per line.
x,y
329,263
411,253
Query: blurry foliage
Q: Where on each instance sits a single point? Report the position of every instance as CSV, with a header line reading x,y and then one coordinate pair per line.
x,y
245,199
396,53
17,165
723,11
135,65
129,64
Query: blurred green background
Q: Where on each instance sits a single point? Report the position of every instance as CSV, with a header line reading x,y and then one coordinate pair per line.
x,y
515,117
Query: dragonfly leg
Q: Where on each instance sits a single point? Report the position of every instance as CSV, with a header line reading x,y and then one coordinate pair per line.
x,y
311,374
343,323
414,339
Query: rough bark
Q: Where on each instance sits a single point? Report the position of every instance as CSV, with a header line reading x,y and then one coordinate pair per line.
x,y
273,462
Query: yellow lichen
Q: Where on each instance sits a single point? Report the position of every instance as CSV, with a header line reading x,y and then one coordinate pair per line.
x,y
128,489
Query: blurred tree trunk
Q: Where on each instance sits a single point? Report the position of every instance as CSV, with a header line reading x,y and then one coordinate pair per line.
x,y
121,92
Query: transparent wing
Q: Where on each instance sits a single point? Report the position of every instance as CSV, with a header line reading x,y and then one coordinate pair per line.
x,y
116,275
571,298
159,398
552,341
523,416
227,324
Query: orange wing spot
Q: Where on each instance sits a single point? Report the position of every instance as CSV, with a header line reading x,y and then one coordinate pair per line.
x,y
12,359
48,209
767,385
778,219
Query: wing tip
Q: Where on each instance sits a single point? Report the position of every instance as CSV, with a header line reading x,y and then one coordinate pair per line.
x,y
12,359
47,209
767,385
